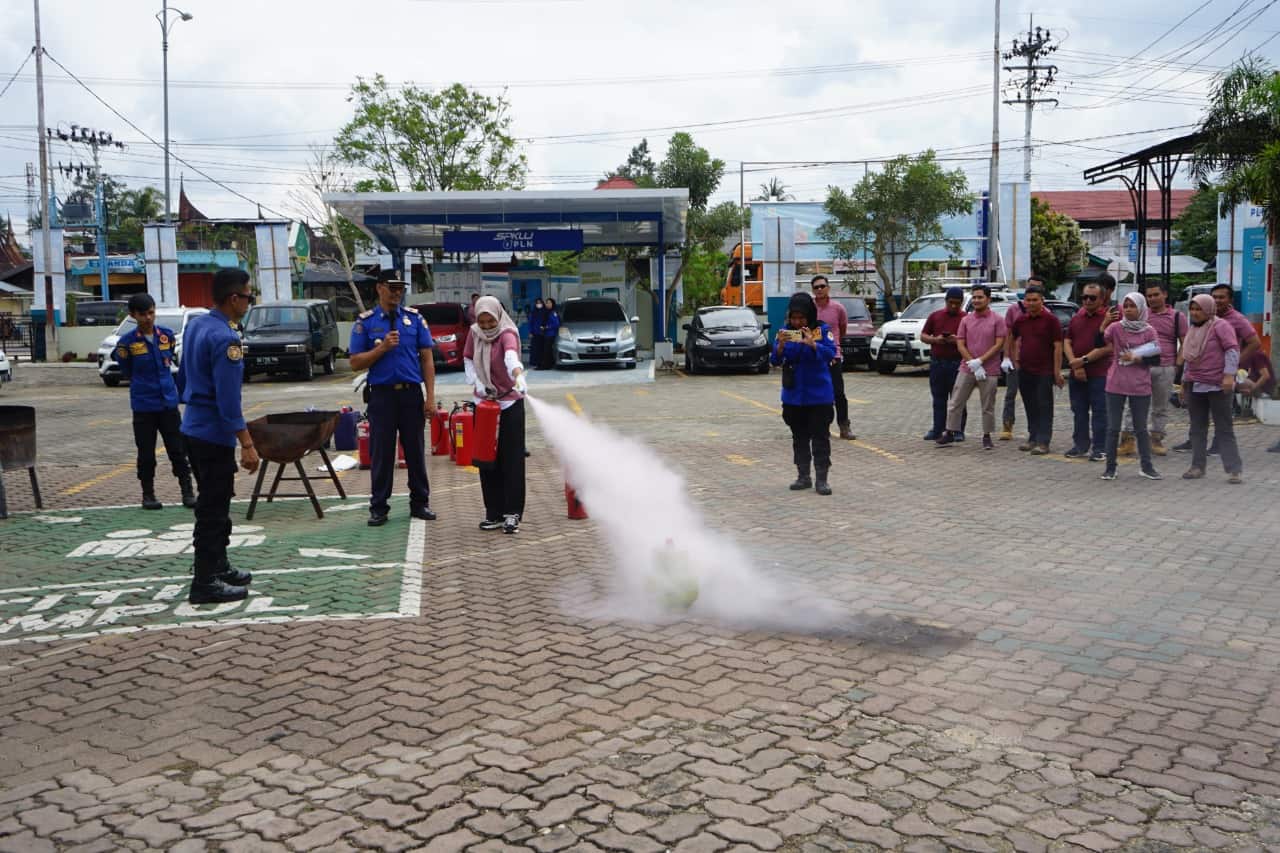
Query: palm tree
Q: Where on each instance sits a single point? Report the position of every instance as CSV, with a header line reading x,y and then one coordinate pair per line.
x,y
134,209
775,190
1240,144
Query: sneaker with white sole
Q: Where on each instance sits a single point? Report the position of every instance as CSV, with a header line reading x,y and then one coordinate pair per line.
x,y
1109,474
1151,474
491,524
511,524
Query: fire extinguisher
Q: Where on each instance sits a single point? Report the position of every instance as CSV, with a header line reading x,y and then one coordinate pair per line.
x,y
362,444
449,427
440,431
577,511
463,434
485,446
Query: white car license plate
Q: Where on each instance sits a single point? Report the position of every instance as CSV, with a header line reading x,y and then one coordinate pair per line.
x,y
893,356
266,359
597,349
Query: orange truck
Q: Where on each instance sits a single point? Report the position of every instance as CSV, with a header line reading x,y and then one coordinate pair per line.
x,y
731,293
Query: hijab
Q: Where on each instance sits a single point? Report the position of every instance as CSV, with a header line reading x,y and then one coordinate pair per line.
x,y
1198,334
485,339
1140,324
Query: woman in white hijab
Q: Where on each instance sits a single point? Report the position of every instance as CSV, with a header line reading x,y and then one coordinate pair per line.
x,y
491,359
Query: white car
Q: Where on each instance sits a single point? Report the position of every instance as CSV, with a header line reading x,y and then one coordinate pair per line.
x,y
170,318
898,340
6,368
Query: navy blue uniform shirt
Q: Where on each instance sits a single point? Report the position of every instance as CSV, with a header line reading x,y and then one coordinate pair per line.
x,y
145,363
812,370
400,364
212,369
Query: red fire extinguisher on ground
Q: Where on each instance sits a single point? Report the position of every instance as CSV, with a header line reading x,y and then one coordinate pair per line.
x,y
439,431
577,511
484,449
463,435
362,444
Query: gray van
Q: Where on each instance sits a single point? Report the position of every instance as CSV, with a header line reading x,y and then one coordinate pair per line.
x,y
290,337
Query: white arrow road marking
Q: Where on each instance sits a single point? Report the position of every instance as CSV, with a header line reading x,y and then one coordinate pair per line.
x,y
332,553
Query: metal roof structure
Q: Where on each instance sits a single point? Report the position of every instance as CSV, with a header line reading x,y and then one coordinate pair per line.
x,y
419,220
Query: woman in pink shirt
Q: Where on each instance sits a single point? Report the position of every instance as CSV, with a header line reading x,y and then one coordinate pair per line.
x,y
1137,349
1209,359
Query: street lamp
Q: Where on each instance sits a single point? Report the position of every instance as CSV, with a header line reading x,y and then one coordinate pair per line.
x,y
165,25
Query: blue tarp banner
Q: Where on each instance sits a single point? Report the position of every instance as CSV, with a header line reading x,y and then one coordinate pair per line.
x,y
514,240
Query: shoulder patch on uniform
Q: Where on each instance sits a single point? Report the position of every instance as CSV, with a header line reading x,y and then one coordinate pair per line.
x,y
123,352
234,353
367,314
830,336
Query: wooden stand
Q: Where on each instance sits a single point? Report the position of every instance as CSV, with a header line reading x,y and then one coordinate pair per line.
x,y
302,478
35,490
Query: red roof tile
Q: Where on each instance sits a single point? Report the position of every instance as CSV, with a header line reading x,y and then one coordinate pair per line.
x,y
1109,205
617,183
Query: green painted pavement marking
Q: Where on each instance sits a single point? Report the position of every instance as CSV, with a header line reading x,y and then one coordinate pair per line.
x,y
82,573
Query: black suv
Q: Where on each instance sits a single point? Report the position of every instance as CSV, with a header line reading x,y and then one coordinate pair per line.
x,y
290,337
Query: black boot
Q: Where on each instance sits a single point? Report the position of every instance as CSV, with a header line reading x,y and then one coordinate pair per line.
x,y
188,492
232,576
208,588
820,483
802,482
149,496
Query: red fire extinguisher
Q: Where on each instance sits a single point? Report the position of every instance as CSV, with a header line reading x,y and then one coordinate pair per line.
x,y
440,431
449,429
362,444
463,435
485,446
577,511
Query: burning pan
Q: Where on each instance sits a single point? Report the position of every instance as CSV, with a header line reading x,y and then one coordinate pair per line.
x,y
287,437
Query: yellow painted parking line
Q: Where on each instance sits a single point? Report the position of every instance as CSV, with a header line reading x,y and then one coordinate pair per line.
x,y
755,403
878,451
679,372
100,422
738,459
254,408
642,392
573,403
101,478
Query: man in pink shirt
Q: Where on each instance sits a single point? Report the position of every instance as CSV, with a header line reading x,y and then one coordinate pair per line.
x,y
837,319
981,342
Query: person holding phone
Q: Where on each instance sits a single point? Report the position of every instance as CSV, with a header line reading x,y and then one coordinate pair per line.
x,y
939,333
1209,360
804,350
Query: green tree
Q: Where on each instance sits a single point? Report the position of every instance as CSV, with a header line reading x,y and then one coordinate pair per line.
x,y
639,167
423,140
689,165
704,273
1239,144
1197,228
134,209
1057,249
893,214
775,190
342,240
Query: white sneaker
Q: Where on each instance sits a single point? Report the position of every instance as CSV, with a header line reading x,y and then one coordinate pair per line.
x,y
511,524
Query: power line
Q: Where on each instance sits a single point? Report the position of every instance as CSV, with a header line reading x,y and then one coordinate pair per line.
x,y
126,120
16,73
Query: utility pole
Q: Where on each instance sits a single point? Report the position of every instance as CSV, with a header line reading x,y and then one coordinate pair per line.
x,y
993,182
96,140
742,231
1037,79
45,223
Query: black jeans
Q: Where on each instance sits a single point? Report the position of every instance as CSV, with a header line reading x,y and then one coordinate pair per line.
x,y
1037,400
168,423
1215,404
810,436
215,467
502,481
393,411
942,379
1089,412
1140,407
536,344
837,385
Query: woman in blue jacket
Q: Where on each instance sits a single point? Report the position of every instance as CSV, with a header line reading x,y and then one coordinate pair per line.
x,y
805,349
550,332
536,341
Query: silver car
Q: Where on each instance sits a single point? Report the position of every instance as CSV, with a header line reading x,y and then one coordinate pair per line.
x,y
171,318
595,331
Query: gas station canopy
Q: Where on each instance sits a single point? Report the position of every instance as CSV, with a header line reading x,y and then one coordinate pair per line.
x,y
420,220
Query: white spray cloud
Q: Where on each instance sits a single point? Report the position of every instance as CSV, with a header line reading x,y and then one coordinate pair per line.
x,y
667,561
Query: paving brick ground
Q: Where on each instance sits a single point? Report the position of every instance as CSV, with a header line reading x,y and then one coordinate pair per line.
x,y
1032,660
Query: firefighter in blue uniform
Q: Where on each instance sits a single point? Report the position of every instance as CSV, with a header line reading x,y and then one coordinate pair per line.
x,y
393,343
145,355
211,375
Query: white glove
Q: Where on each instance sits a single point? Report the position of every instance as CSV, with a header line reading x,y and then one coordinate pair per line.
x,y
974,364
481,391
521,385
979,372
1007,365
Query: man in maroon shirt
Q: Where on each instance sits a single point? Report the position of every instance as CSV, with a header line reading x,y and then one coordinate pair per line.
x,y
837,319
939,333
1088,382
1037,355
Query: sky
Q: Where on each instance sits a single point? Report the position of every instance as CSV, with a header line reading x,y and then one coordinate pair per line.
x,y
766,86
